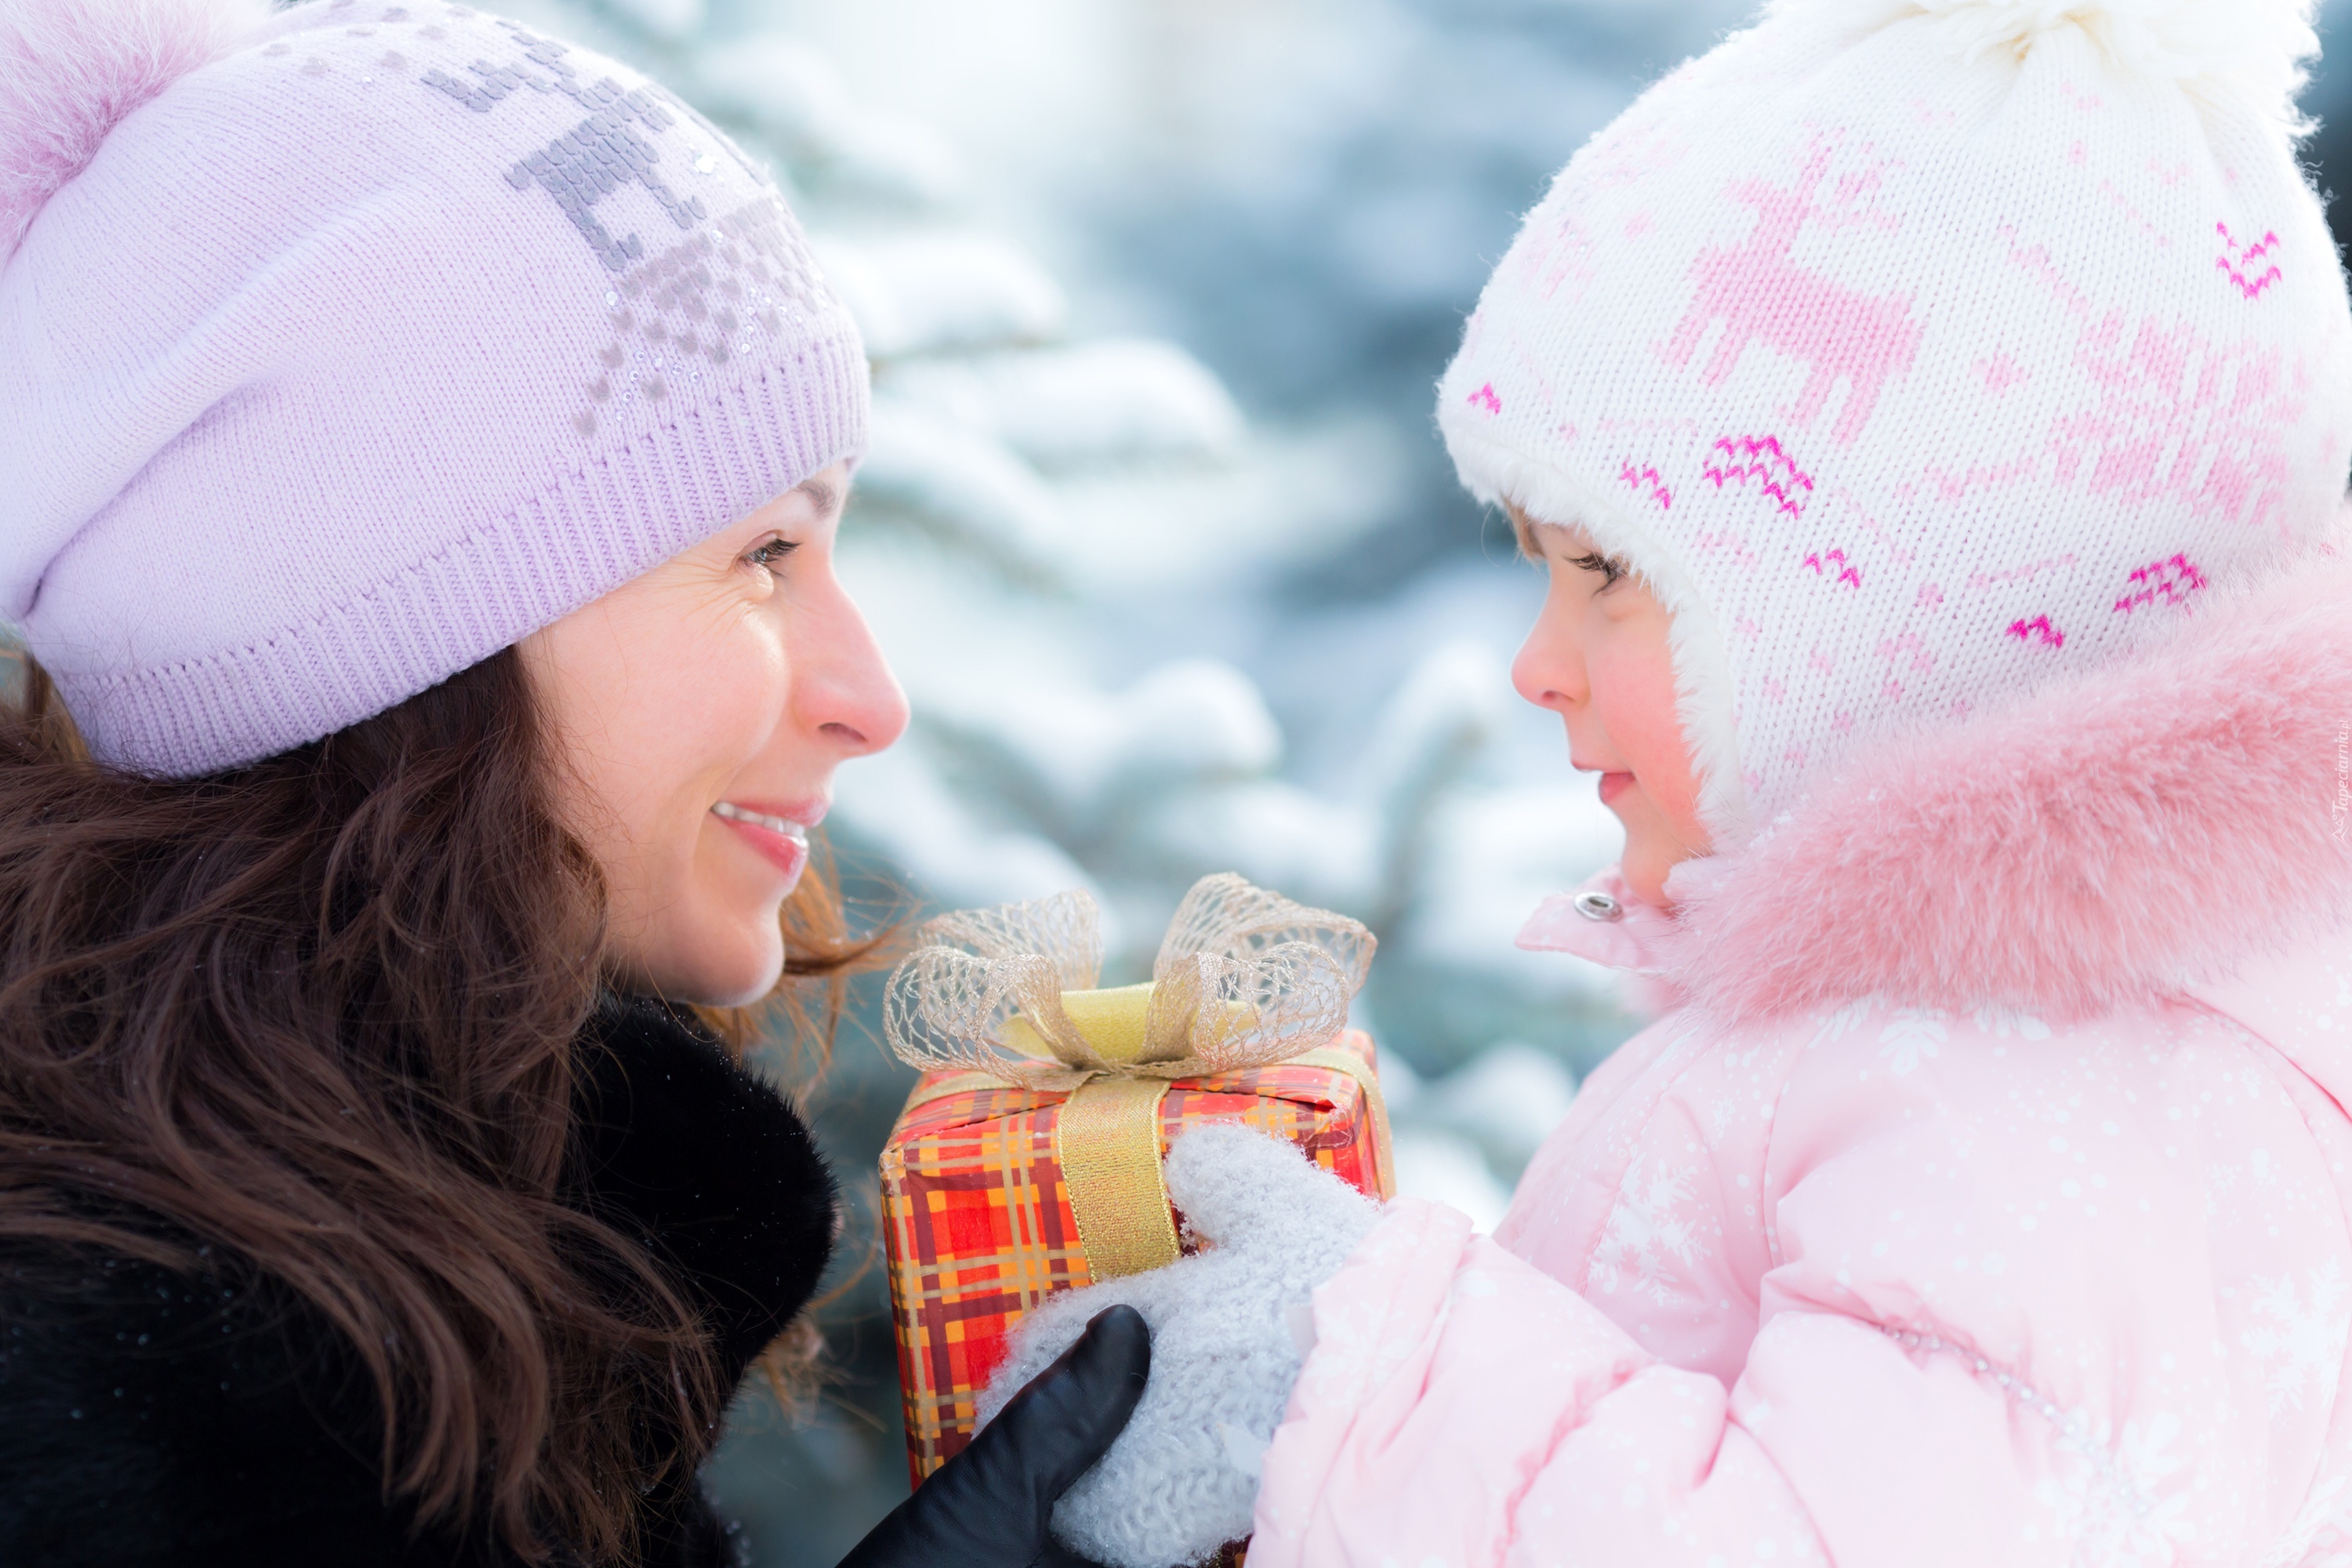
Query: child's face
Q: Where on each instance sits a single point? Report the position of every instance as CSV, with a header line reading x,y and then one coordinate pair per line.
x,y
1599,657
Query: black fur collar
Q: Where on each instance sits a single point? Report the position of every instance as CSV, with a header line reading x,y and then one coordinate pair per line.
x,y
707,1164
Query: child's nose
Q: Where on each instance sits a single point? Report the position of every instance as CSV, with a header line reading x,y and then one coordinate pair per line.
x,y
1548,670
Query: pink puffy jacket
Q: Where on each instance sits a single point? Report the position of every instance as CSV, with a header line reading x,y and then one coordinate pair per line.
x,y
1966,1211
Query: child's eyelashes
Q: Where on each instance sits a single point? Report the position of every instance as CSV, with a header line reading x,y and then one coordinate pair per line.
x,y
1608,566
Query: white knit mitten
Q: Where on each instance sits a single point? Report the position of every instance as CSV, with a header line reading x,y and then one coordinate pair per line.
x,y
1230,1329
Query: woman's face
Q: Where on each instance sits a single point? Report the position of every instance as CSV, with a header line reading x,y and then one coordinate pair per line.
x,y
1599,657
699,712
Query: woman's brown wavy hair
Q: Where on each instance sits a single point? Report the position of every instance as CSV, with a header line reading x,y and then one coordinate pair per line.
x,y
320,1012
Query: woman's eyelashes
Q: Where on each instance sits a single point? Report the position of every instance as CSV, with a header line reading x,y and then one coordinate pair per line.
x,y
770,554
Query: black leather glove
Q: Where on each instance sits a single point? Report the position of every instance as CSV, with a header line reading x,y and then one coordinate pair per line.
x,y
990,1506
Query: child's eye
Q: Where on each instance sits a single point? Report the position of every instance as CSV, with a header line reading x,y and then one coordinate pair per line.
x,y
771,555
1608,566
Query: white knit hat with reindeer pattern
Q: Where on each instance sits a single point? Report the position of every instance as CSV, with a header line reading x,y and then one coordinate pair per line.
x,y
1919,351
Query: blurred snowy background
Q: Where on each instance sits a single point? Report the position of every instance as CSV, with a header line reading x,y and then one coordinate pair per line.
x,y
1157,528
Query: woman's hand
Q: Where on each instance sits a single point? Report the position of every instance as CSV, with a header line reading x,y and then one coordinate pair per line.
x,y
990,1505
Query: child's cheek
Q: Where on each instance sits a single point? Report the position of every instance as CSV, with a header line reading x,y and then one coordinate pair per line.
x,y
1634,687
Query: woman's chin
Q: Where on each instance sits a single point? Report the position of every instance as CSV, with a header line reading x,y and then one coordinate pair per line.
x,y
733,966
743,985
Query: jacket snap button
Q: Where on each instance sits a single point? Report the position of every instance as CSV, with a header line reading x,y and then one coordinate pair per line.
x,y
1599,907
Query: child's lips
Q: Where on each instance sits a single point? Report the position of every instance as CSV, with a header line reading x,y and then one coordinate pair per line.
x,y
1614,782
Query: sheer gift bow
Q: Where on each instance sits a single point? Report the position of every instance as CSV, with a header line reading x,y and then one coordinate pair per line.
x,y
1244,978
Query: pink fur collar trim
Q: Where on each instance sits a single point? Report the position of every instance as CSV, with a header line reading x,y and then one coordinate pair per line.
x,y
2156,824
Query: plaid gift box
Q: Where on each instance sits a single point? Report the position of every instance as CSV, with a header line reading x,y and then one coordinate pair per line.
x,y
979,1220
1027,1159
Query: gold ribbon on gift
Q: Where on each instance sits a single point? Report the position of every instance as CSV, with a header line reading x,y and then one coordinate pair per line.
x,y
1244,978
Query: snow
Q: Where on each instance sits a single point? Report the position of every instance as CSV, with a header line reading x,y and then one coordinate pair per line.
x,y
1190,541
898,804
1111,401
793,94
1322,852
1446,1168
1448,708
940,289
794,98
1086,759
1507,1101
663,18
1461,1138
961,488
1496,854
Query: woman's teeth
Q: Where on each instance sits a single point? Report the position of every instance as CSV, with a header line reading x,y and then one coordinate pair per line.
x,y
783,825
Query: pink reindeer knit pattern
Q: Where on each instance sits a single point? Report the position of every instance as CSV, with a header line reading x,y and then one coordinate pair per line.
x,y
1959,376
1761,296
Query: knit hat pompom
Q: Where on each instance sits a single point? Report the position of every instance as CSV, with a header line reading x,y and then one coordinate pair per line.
x,y
71,70
2252,50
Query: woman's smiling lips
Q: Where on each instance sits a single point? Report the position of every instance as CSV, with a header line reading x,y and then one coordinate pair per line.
x,y
780,833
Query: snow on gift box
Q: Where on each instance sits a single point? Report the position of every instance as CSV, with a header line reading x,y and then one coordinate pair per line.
x,y
1027,1160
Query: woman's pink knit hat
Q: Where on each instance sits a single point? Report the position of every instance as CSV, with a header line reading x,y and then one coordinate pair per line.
x,y
341,349
1920,353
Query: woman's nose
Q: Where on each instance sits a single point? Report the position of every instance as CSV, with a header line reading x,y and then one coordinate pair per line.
x,y
848,692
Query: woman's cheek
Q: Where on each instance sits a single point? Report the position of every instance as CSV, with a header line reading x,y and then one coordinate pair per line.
x,y
728,699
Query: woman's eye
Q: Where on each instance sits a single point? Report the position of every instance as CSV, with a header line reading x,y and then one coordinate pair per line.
x,y
772,554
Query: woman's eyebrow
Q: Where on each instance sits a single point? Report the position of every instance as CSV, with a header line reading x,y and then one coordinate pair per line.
x,y
824,496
